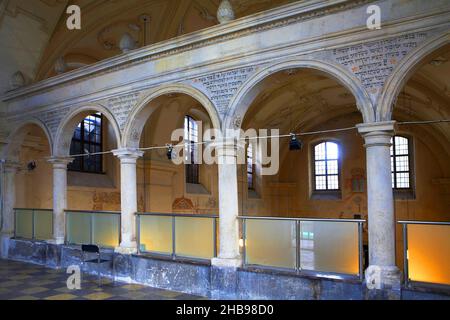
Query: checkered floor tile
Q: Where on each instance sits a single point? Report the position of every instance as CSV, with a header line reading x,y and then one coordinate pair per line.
x,y
23,281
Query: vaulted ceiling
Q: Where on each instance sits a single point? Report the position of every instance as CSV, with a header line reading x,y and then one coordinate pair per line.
x,y
33,36
33,33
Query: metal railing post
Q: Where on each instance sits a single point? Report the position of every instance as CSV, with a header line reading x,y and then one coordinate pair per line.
x,y
32,225
215,236
15,223
91,228
360,250
298,244
66,222
405,255
138,233
174,256
53,228
244,239
120,230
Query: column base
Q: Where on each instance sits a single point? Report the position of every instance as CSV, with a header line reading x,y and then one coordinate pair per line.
x,y
224,278
383,277
4,243
127,248
227,262
57,241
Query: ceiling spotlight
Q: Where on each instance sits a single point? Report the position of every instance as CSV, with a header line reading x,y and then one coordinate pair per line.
x,y
169,151
294,143
31,165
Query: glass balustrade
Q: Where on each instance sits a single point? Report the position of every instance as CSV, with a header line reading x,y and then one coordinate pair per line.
x,y
318,245
96,227
24,223
155,234
178,235
427,252
194,237
43,224
33,224
106,229
329,247
271,243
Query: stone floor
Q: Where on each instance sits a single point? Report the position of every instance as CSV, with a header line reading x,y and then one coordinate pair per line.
x,y
23,281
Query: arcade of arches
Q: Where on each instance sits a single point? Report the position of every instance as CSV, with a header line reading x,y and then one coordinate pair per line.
x,y
364,178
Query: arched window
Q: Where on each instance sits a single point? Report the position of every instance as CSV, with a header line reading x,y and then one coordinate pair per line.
x,y
88,138
191,149
250,166
400,163
326,166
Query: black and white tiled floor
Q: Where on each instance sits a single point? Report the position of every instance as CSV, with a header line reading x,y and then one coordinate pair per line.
x,y
23,281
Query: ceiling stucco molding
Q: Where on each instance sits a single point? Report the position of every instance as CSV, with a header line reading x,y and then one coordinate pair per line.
x,y
3,5
13,9
274,18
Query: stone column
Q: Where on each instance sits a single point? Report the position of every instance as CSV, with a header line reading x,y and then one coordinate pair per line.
x,y
228,255
128,197
59,197
8,197
382,272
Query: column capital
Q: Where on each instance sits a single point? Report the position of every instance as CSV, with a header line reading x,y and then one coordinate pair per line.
x,y
377,133
60,162
227,147
128,154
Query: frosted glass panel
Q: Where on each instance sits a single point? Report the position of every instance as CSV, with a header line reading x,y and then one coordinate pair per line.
x,y
156,234
194,237
78,228
429,253
43,224
329,246
271,243
24,224
105,229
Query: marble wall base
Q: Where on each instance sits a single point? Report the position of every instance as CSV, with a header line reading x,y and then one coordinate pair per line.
x,y
206,280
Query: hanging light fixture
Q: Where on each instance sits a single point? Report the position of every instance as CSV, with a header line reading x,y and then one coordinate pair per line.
x,y
169,151
31,165
294,143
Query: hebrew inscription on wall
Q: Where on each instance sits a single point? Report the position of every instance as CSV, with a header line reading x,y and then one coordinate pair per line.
x,y
222,86
121,107
52,119
373,62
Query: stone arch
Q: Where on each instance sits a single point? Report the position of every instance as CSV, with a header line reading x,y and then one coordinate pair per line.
x,y
248,92
17,136
403,72
66,128
140,113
